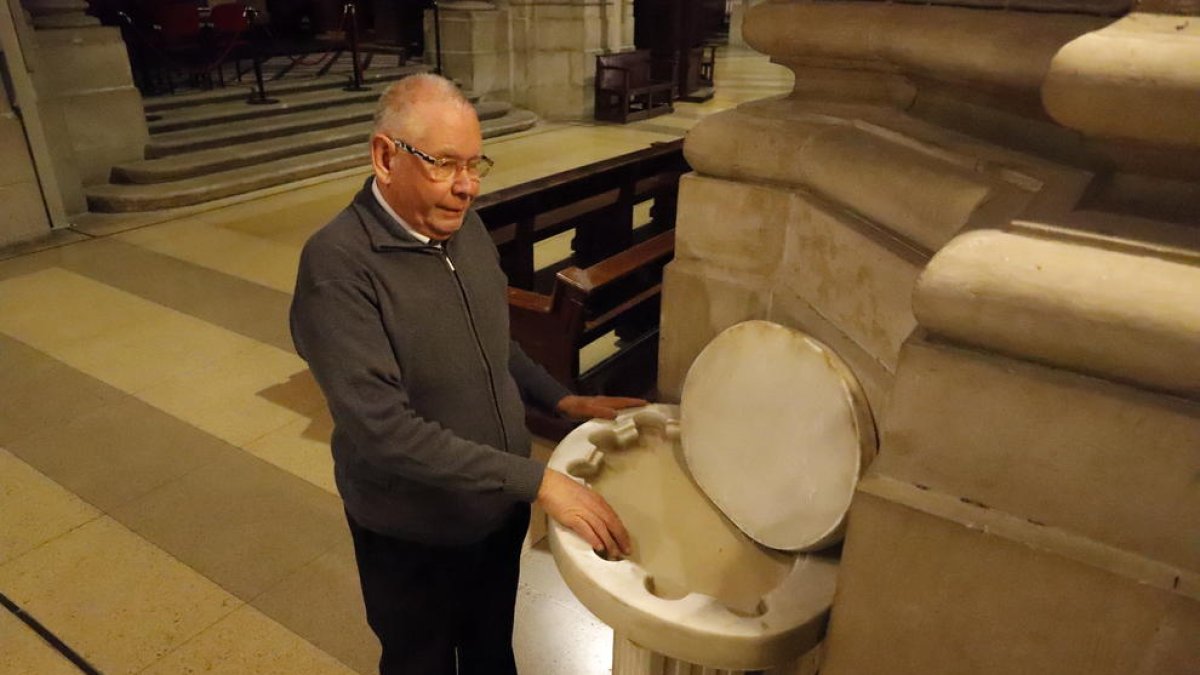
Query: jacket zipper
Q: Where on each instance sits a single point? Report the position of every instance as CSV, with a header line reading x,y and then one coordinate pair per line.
x,y
487,366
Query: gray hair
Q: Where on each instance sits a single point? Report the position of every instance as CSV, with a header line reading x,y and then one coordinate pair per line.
x,y
394,112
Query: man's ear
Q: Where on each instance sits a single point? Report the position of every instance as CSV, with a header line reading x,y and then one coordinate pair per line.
x,y
382,153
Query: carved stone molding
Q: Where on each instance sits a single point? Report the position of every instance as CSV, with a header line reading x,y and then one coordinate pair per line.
x,y
1003,52
1098,304
1137,79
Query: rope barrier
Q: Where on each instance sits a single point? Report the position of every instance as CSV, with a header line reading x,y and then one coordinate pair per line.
x,y
207,68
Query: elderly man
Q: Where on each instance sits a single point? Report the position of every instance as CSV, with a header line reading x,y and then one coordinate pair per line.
x,y
400,311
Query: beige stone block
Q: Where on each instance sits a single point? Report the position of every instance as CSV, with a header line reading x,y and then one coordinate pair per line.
x,y
224,648
17,166
736,226
1107,303
548,68
1136,78
456,28
36,509
558,34
583,70
83,60
930,585
851,276
24,214
116,599
700,301
873,375
26,652
917,188
557,102
107,128
1102,460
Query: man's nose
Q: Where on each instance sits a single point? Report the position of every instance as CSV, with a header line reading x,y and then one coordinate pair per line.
x,y
464,186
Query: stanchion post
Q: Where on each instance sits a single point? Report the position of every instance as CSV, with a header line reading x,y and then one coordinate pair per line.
x,y
259,95
437,38
350,11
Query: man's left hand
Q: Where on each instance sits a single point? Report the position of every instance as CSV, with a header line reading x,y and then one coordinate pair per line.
x,y
592,407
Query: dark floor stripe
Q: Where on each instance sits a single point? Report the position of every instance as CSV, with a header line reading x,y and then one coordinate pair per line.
x,y
233,303
54,641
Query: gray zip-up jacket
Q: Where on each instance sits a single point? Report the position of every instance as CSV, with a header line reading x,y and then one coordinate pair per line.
x,y
410,344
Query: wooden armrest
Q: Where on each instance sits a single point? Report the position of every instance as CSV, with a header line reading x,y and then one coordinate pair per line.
x,y
625,74
529,301
620,265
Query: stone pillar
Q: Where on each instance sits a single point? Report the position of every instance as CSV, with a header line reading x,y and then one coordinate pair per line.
x,y
538,54
990,214
83,70
24,213
736,17
475,46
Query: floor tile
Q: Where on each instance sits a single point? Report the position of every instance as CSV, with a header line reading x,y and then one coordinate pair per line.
x,y
239,397
241,306
118,452
224,648
116,600
42,393
26,652
106,332
554,633
35,508
238,521
302,449
322,602
218,248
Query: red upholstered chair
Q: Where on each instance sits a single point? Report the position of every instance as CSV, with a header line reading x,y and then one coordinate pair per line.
x,y
229,29
177,38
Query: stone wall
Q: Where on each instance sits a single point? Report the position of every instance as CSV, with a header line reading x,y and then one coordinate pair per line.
x,y
24,213
991,215
537,54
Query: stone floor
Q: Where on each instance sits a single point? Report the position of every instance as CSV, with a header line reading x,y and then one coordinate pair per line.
x,y
164,466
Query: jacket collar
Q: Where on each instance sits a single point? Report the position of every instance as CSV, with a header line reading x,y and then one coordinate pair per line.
x,y
384,233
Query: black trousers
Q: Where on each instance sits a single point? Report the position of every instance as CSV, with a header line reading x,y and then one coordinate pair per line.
x,y
441,610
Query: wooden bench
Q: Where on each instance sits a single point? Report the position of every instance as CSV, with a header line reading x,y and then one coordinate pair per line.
x,y
597,201
619,294
626,90
577,310
609,283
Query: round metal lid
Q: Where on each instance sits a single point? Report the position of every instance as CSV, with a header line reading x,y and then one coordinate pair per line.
x,y
776,431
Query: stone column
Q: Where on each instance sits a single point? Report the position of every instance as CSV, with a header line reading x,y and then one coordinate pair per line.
x,y
84,70
539,54
990,214
24,213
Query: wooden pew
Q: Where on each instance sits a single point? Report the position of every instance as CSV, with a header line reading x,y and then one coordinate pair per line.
x,y
596,200
556,325
611,282
626,90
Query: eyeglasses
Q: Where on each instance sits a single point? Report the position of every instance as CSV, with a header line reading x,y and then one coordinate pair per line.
x,y
444,168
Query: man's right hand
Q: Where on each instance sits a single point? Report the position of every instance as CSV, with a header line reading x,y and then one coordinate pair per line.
x,y
580,508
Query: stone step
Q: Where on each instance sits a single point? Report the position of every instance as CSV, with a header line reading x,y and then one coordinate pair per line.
x,y
191,164
240,91
190,140
115,198
170,143
213,114
234,180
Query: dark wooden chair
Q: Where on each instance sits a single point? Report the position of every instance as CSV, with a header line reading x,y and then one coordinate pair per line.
x,y
626,90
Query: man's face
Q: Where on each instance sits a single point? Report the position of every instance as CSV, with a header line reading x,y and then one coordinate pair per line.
x,y
435,208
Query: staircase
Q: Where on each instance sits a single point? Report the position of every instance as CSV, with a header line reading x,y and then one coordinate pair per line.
x,y
212,144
